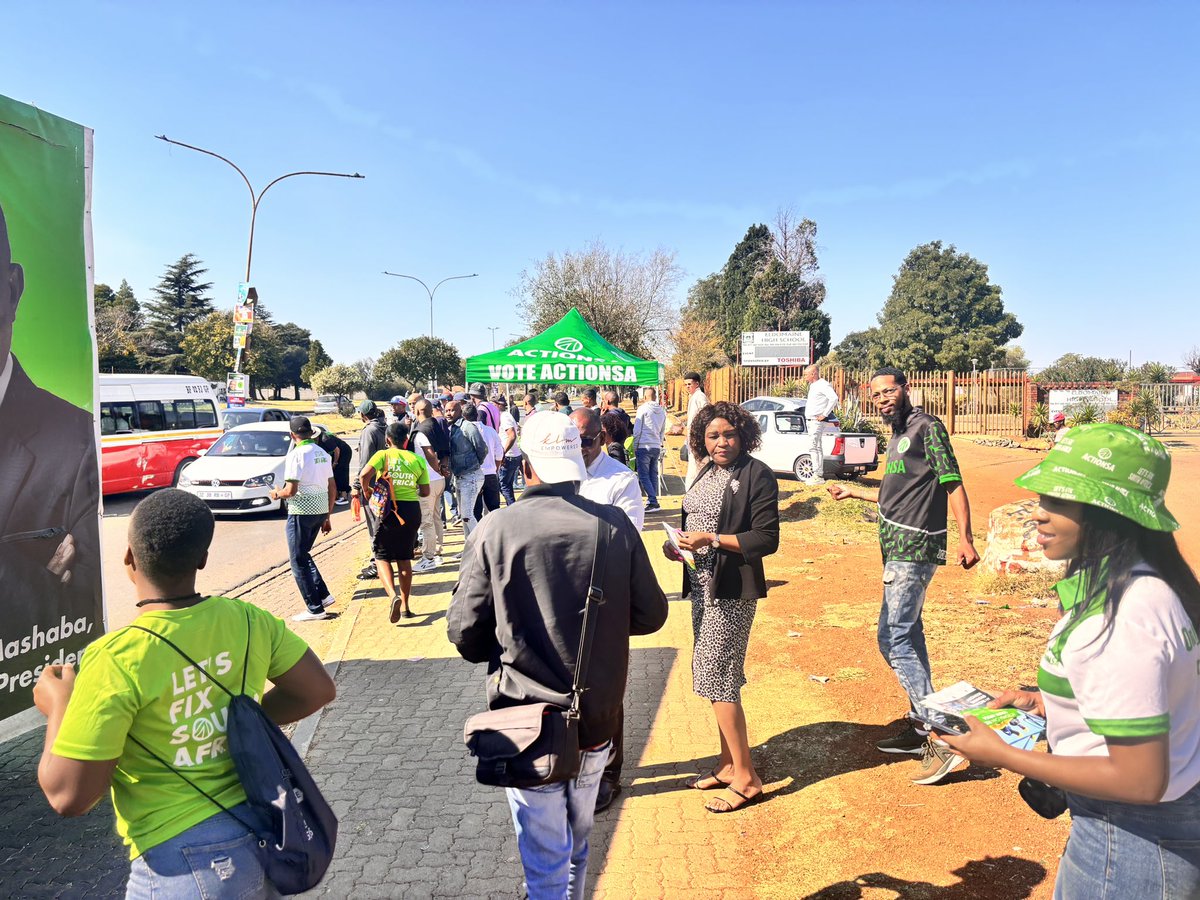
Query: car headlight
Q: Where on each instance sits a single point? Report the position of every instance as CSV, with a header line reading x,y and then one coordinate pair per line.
x,y
259,481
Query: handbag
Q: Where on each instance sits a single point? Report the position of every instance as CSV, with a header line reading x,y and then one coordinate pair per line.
x,y
538,743
382,503
295,827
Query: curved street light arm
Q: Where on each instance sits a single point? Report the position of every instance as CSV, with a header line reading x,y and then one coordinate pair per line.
x,y
249,187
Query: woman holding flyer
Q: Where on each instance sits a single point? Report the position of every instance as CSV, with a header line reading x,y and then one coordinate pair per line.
x,y
1118,682
730,522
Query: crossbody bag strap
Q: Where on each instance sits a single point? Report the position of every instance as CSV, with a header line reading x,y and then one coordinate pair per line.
x,y
245,662
175,647
594,600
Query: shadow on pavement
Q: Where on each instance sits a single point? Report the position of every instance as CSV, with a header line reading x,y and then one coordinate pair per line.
x,y
790,761
1008,877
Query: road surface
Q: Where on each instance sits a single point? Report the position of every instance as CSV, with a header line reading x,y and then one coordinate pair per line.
x,y
243,546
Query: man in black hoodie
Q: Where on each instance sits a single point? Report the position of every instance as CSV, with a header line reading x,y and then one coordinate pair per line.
x,y
518,607
371,440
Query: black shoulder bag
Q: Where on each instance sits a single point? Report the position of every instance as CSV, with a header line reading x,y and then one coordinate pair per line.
x,y
538,743
296,829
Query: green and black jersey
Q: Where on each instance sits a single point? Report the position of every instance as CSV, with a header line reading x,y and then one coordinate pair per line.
x,y
912,498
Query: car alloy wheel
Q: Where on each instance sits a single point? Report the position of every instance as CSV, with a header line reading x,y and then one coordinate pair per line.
x,y
803,467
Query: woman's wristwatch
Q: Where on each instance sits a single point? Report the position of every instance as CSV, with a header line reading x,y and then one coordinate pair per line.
x,y
716,541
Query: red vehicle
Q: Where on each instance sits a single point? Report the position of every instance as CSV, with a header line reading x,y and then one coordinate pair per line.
x,y
151,426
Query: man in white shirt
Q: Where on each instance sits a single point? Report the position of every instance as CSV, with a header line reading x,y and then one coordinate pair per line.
x,y
509,432
612,483
697,400
608,481
822,401
649,431
433,529
310,492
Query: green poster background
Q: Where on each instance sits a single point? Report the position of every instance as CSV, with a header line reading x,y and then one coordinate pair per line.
x,y
42,193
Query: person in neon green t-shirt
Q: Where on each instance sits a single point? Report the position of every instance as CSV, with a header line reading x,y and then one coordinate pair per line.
x,y
133,687
395,537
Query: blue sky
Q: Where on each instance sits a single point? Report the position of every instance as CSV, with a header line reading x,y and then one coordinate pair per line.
x,y
1055,142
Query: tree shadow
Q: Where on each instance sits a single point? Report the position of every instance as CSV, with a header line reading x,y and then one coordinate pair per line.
x,y
801,510
1007,877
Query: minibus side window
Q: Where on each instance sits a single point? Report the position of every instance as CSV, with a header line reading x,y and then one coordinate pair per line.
x,y
116,418
150,416
206,414
179,414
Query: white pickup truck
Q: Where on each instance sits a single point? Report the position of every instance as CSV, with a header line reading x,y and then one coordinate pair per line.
x,y
786,446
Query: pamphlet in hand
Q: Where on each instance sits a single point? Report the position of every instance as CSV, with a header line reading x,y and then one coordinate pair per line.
x,y
689,559
944,710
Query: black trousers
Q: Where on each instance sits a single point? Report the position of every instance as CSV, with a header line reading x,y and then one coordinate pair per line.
x,y
489,497
612,772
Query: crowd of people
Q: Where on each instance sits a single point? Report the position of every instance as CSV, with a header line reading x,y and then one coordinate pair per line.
x,y
1117,684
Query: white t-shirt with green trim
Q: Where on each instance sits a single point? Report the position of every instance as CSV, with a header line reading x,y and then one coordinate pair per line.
x,y
311,467
1138,678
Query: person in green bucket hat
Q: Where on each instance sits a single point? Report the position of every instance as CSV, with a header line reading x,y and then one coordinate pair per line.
x,y
1119,684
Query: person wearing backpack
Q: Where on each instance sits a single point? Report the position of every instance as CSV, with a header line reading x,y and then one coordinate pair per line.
x,y
404,478
139,719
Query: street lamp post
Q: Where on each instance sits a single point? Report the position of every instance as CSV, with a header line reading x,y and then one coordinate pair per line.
x,y
432,375
255,199
493,329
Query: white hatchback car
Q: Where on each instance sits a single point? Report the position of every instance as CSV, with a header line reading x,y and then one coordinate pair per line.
x,y
238,472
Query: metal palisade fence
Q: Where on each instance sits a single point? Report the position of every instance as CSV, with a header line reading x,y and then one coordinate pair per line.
x,y
998,402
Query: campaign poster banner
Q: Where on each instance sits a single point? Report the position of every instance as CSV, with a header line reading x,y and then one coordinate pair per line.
x,y
51,593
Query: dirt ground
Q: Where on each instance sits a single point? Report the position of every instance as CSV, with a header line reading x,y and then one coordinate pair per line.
x,y
842,820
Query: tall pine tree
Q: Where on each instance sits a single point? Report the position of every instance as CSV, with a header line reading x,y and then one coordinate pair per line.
x,y
180,298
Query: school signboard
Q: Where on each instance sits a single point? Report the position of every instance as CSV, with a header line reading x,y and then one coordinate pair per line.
x,y
1069,402
776,348
51,600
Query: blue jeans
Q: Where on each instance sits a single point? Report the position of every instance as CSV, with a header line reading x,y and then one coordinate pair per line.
x,y
1119,850
901,633
302,533
553,824
217,858
647,472
468,487
508,477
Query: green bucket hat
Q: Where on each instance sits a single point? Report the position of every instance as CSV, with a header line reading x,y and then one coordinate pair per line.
x,y
1111,466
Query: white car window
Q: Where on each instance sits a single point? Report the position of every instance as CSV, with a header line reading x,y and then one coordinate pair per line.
x,y
763,422
790,423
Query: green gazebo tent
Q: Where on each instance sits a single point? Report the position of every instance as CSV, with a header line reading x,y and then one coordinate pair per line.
x,y
568,352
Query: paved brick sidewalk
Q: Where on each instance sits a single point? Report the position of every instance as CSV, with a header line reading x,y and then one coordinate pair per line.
x,y
43,855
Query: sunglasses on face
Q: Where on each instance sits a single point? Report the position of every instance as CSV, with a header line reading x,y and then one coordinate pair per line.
x,y
588,441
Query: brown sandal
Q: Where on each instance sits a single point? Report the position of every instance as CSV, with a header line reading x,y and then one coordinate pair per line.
x,y
730,807
694,782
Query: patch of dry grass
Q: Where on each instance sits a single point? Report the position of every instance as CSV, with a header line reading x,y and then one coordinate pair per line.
x,y
1038,583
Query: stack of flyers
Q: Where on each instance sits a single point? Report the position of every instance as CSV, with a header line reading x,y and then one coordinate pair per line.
x,y
673,536
1018,728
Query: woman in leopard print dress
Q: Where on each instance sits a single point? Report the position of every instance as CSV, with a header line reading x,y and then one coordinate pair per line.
x,y
730,521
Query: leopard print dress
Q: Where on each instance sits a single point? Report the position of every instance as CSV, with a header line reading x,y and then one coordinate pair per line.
x,y
720,627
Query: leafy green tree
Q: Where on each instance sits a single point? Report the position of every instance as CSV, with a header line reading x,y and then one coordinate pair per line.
x,y
854,351
294,343
180,298
415,360
770,282
337,378
118,319
1072,367
942,313
696,348
318,359
207,350
1152,373
1014,358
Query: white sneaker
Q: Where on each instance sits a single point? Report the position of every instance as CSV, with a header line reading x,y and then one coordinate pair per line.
x,y
307,616
815,482
328,602
425,565
341,501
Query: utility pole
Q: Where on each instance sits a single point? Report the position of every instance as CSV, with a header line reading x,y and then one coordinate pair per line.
x,y
255,199
432,375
